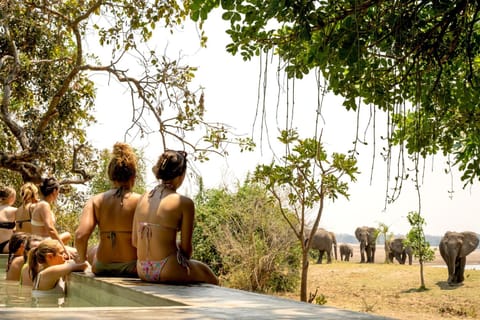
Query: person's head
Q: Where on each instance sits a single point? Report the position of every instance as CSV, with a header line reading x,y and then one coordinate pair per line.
x,y
32,241
7,195
29,193
122,168
49,252
170,164
49,186
16,246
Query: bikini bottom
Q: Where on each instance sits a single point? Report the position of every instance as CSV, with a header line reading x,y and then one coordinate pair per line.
x,y
149,270
116,269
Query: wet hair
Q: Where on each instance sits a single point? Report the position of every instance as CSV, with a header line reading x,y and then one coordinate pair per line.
x,y
29,244
123,164
170,165
39,254
29,193
49,185
6,192
16,241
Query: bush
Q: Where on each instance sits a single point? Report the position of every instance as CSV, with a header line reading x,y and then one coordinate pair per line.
x,y
245,239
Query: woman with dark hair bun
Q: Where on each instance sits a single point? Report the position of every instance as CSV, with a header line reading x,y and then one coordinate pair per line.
x,y
7,216
43,219
113,212
160,215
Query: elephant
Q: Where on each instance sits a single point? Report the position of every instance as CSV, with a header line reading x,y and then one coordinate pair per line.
x,y
346,252
399,251
367,236
323,241
454,249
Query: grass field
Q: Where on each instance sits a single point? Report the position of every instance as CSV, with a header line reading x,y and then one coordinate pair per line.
x,y
392,290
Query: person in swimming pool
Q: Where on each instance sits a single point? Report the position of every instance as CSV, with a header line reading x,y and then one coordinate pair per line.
x,y
7,216
32,242
23,216
43,219
16,247
113,212
48,267
161,214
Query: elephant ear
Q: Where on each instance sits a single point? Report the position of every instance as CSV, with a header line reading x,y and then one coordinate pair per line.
x,y
470,243
357,233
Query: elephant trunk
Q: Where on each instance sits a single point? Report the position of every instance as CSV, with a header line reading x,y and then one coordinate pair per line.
x,y
335,250
452,263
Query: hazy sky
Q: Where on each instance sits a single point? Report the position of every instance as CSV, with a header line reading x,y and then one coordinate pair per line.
x,y
231,91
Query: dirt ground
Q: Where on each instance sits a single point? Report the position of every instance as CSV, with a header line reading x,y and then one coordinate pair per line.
x,y
392,290
473,258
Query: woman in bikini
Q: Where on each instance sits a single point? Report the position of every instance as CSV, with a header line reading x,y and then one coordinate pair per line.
x,y
43,219
29,195
16,248
32,242
160,215
7,216
48,267
113,212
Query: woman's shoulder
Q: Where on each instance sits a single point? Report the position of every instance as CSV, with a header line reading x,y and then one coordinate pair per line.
x,y
41,205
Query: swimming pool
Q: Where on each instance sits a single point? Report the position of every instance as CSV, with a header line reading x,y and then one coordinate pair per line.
x,y
82,291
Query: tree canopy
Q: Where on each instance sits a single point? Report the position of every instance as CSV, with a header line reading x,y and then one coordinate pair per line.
x,y
416,60
47,95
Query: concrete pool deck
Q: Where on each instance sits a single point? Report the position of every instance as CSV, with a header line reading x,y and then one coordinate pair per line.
x,y
189,302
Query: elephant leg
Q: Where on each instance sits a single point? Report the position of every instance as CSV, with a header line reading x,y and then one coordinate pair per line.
x,y
320,256
460,269
329,257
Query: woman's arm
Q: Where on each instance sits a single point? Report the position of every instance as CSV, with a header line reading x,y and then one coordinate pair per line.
x,y
85,228
52,274
45,214
188,217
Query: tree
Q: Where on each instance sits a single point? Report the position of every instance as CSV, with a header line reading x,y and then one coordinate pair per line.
x,y
302,181
383,229
416,60
47,59
420,246
242,236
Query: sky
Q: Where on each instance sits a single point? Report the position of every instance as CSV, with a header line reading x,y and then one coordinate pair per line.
x,y
231,96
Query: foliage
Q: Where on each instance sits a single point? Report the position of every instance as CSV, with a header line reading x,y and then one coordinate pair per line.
x,y
416,60
242,237
416,239
49,51
301,182
383,230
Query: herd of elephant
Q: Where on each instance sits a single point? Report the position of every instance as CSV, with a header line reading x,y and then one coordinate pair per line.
x,y
454,247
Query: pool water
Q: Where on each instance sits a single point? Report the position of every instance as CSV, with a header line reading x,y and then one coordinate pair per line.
x,y
81,291
13,295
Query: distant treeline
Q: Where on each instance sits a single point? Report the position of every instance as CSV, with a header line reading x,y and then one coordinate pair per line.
x,y
350,238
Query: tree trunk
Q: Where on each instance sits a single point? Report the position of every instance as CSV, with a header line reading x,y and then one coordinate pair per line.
x,y
303,286
422,279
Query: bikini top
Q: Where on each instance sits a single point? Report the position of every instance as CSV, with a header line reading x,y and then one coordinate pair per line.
x,y
59,287
37,223
112,235
7,225
20,222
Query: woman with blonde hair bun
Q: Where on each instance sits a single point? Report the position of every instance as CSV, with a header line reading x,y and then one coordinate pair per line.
x,y
23,217
113,212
